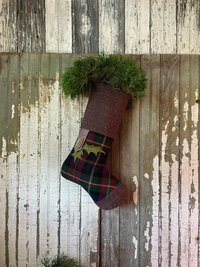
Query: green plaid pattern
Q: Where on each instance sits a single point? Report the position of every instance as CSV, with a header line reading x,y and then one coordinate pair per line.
x,y
90,172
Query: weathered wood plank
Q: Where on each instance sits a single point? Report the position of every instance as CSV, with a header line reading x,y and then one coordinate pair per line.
x,y
85,26
8,25
28,187
163,27
154,99
4,115
183,27
3,162
194,28
194,160
89,218
129,173
53,193
189,160
24,152
31,26
110,220
110,234
43,143
188,32
169,166
111,26
32,150
137,27
12,159
58,26
89,231
146,168
185,150
70,192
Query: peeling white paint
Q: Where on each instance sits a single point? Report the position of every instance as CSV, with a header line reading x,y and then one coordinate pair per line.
x,y
165,172
164,138
173,199
135,193
186,150
155,212
57,78
194,111
147,235
146,175
177,141
176,100
13,112
3,153
185,114
194,182
175,123
135,243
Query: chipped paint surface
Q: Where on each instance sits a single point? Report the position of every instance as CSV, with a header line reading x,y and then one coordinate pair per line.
x,y
44,213
135,243
135,193
13,111
147,236
155,213
42,209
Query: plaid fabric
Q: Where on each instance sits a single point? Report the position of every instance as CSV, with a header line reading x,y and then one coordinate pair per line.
x,y
89,171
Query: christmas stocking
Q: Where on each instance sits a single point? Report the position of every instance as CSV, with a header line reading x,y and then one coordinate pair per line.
x,y
86,164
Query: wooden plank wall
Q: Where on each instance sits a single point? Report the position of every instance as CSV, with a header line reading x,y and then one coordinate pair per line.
x,y
127,26
155,155
156,152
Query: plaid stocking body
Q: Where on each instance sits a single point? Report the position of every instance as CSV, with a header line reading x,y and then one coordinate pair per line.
x,y
86,166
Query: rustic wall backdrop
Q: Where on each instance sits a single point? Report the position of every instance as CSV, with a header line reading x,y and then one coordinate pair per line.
x,y
157,149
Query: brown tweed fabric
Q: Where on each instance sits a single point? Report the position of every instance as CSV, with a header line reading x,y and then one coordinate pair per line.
x,y
105,110
114,199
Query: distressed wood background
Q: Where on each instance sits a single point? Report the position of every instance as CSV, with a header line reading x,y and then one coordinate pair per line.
x,y
86,26
157,148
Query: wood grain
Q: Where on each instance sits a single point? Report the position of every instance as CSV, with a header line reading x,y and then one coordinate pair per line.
x,y
85,26
30,26
8,26
58,27
156,155
111,28
169,160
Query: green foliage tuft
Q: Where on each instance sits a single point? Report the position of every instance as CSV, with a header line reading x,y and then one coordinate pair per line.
x,y
118,71
59,261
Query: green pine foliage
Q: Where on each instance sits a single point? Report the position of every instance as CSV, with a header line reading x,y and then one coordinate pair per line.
x,y
59,261
118,71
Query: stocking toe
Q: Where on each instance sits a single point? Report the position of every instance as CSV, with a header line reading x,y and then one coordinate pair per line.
x,y
114,199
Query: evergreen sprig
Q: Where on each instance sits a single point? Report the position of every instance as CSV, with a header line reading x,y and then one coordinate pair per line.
x,y
118,71
59,261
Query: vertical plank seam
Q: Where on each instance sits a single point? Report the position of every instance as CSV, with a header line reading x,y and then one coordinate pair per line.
x,y
198,256
73,26
150,26
38,164
160,175
18,159
59,162
139,199
179,167
7,178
